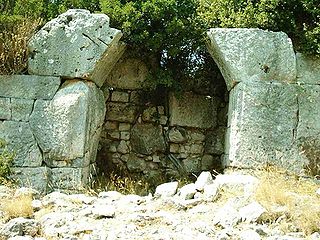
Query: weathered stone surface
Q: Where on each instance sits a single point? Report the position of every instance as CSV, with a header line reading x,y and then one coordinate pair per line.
x,y
150,115
19,227
205,178
308,69
129,73
76,44
177,135
309,111
188,191
68,127
192,164
214,143
136,164
5,109
147,139
28,86
252,54
120,96
21,109
263,120
251,212
115,112
166,189
21,141
124,127
36,178
207,162
245,183
192,110
70,178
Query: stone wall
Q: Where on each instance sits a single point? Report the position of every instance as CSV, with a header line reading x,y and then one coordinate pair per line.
x,y
274,95
158,133
52,118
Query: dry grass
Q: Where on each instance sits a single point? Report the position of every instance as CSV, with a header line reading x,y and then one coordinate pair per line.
x,y
291,201
126,184
17,207
13,46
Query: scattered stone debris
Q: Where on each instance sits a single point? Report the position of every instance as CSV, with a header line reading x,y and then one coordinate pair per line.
x,y
199,210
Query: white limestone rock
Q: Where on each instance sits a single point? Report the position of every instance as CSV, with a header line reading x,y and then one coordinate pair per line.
x,y
76,44
251,212
67,128
249,234
166,189
205,178
264,120
19,227
252,54
103,211
211,191
245,183
227,216
187,191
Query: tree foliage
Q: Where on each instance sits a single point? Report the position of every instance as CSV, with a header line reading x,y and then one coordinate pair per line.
x,y
300,19
166,32
170,34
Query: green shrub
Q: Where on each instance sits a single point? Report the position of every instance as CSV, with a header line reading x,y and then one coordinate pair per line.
x,y
300,19
167,35
6,158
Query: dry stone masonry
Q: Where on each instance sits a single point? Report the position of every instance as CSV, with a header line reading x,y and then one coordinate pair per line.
x,y
274,95
156,137
53,117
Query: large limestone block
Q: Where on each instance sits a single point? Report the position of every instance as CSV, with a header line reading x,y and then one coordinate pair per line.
x,y
21,109
191,110
5,108
252,54
69,178
22,142
121,112
66,127
309,111
308,128
28,86
129,73
263,121
147,139
308,69
76,44
36,178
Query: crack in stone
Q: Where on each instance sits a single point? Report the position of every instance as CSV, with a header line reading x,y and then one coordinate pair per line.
x,y
295,128
102,41
87,36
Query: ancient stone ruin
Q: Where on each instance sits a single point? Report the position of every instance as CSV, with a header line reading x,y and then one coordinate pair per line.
x,y
85,102
274,93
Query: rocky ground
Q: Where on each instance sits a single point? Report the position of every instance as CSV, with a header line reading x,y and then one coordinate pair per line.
x,y
222,208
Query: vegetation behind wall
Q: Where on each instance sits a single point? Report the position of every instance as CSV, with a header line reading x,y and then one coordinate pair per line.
x,y
169,35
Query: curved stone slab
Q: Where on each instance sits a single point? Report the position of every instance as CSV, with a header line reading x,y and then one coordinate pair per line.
x,y
76,44
66,128
252,54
